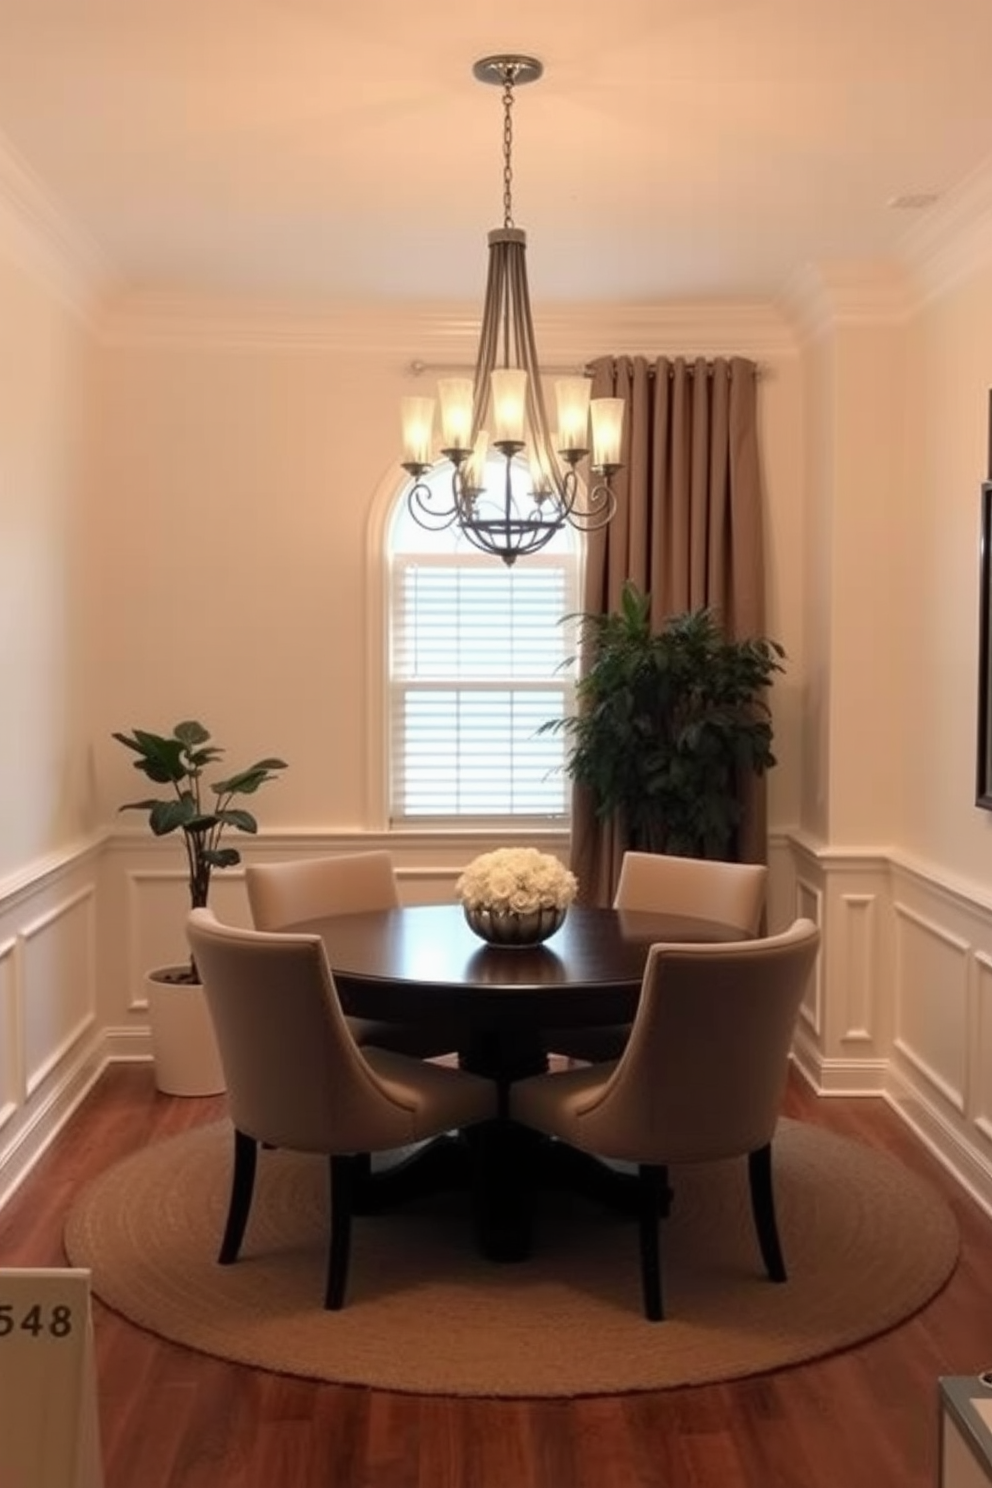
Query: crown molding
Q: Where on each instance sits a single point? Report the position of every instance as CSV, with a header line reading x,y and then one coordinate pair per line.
x,y
428,334
690,328
255,323
42,240
954,238
819,298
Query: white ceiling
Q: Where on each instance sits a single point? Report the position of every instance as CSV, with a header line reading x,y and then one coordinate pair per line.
x,y
674,148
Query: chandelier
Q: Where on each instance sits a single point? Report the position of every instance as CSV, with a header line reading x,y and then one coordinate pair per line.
x,y
502,411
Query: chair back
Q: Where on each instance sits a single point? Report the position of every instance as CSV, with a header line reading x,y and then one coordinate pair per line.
x,y
295,1076
281,894
733,893
704,1070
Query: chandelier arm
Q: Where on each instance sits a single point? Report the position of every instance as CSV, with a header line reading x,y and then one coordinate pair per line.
x,y
510,356
489,334
537,416
599,510
423,506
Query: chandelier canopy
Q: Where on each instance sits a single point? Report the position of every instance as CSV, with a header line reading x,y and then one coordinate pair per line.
x,y
503,410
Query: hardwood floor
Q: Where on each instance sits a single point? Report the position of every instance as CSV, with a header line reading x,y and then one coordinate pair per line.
x,y
170,1418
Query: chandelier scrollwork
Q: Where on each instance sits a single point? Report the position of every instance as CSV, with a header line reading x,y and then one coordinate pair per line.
x,y
503,409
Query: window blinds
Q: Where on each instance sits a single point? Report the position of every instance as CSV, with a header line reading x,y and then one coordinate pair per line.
x,y
477,654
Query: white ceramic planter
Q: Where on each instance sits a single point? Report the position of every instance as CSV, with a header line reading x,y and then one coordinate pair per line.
x,y
183,1044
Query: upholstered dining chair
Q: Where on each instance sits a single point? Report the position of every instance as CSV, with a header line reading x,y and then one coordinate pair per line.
x,y
701,1079
296,1078
733,893
281,895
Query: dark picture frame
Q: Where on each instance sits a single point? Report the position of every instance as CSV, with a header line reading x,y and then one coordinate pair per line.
x,y
983,779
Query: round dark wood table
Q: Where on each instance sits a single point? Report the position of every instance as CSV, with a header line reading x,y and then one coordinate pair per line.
x,y
498,1003
423,961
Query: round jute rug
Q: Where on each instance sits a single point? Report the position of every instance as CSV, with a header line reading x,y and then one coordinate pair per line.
x,y
866,1244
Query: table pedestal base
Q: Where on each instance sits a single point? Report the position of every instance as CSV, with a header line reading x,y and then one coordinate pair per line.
x,y
503,1166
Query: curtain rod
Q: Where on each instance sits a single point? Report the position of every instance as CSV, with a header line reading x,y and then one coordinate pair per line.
x,y
690,364
418,368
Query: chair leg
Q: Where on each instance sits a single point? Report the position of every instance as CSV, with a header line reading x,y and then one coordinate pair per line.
x,y
339,1248
652,1188
759,1170
239,1205
362,1188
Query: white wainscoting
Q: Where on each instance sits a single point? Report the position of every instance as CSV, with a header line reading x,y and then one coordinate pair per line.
x,y
940,1072
52,1044
11,1042
900,1005
904,1008
841,1042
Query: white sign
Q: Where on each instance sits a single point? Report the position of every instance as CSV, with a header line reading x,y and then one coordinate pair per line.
x,y
49,1434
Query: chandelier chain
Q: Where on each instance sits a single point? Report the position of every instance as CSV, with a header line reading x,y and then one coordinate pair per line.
x,y
508,150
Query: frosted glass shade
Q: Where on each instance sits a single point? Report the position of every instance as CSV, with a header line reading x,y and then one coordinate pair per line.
x,y
509,397
417,417
572,394
607,430
456,412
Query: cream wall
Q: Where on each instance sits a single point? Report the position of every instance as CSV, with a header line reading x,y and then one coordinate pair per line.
x,y
852,326
947,440
865,646
235,489
891,856
51,1029
239,464
814,561
43,609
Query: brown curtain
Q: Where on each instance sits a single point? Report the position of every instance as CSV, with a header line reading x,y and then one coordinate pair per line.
x,y
687,530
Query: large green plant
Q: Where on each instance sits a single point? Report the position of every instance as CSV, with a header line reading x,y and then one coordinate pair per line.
x,y
668,723
178,760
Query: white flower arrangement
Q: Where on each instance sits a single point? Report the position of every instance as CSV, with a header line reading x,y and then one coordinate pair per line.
x,y
517,880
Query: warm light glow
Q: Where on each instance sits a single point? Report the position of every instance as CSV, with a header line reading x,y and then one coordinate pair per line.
x,y
572,394
417,415
456,412
509,397
607,431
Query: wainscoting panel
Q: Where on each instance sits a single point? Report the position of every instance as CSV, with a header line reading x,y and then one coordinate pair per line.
x,y
858,978
11,1067
980,1044
809,906
59,981
841,1037
52,1035
931,1003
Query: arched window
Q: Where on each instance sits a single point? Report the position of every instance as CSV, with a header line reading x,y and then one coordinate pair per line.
x,y
476,666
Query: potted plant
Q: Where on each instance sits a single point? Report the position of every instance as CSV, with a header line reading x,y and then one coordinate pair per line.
x,y
668,722
185,1052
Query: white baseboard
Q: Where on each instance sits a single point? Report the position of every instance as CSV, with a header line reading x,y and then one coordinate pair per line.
x,y
961,1158
46,1117
839,1076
